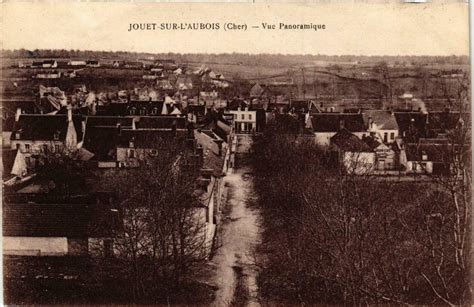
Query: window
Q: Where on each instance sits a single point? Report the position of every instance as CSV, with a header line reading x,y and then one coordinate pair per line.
x,y
243,116
132,111
385,137
153,152
45,148
250,116
57,148
17,146
392,135
131,153
27,147
17,135
56,136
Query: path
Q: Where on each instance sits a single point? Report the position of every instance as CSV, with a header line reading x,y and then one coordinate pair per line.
x,y
235,274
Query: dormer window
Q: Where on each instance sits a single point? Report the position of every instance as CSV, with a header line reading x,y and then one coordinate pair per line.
x,y
56,136
424,156
132,111
143,111
17,135
131,143
154,111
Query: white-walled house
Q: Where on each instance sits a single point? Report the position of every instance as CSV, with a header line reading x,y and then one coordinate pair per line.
x,y
245,120
353,154
34,134
381,124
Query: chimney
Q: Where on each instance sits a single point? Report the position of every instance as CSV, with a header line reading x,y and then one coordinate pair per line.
x,y
341,124
219,146
17,114
69,113
200,153
119,128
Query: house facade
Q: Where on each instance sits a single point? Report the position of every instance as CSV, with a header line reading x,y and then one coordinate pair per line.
x,y
245,120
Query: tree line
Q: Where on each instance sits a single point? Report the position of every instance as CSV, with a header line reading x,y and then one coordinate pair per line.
x,y
335,238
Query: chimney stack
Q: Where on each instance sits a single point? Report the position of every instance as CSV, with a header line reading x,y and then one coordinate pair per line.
x,y
69,113
219,146
17,114
341,124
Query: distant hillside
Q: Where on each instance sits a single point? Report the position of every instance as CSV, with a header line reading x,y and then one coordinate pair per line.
x,y
238,58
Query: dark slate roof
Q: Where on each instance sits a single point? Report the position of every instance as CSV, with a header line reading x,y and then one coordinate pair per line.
x,y
371,142
102,142
58,220
9,106
109,121
160,122
150,138
435,152
406,119
8,123
113,109
331,122
443,121
347,141
211,158
43,127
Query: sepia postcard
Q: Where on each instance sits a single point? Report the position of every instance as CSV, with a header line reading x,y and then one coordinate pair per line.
x,y
236,154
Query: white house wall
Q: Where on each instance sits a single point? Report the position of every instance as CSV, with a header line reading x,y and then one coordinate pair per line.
x,y
35,246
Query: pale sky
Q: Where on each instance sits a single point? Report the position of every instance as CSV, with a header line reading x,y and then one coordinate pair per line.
x,y
360,29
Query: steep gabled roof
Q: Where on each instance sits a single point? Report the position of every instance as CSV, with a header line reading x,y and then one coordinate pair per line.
x,y
211,158
44,127
102,142
406,119
331,122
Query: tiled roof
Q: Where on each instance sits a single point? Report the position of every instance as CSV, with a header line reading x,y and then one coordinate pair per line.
x,y
58,220
44,127
331,122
